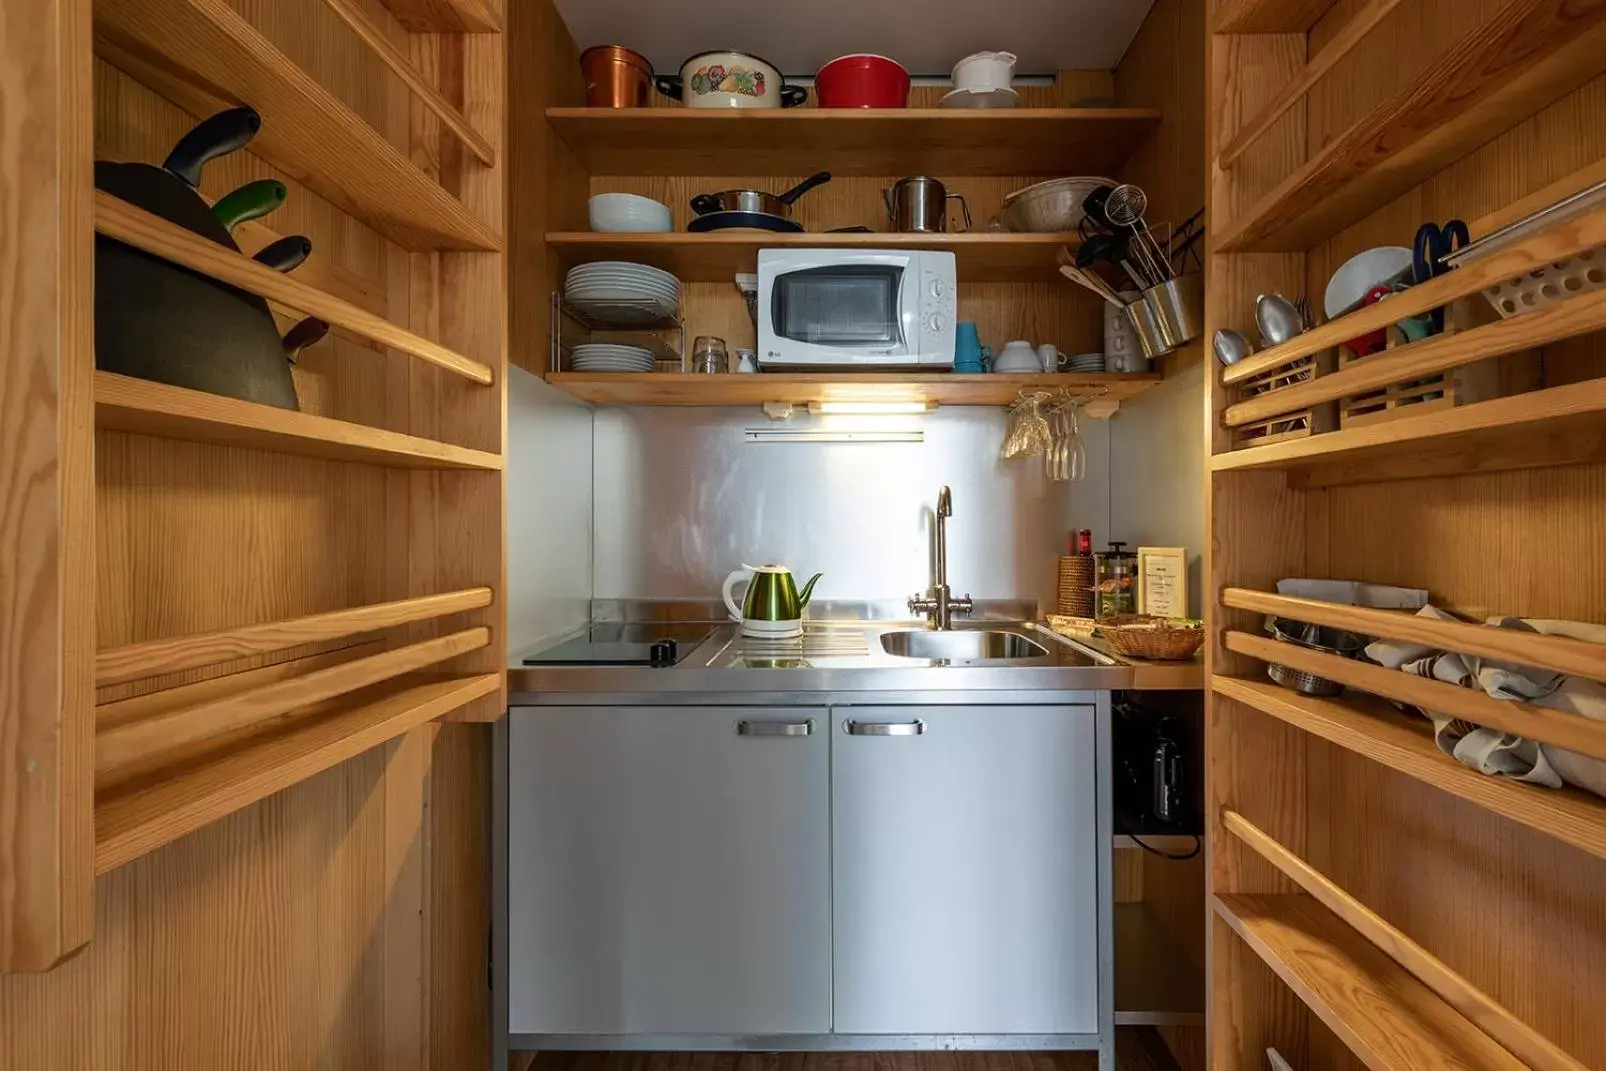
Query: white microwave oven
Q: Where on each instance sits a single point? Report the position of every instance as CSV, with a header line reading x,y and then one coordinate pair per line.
x,y
859,308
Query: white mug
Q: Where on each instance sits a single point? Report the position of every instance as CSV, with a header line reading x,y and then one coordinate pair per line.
x,y
1017,356
1051,357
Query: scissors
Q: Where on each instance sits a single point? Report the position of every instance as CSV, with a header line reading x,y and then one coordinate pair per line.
x,y
1432,244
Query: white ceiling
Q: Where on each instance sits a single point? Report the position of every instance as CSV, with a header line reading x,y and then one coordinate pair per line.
x,y
926,36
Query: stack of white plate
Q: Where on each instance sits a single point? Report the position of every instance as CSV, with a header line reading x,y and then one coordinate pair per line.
x,y
618,292
1086,362
610,357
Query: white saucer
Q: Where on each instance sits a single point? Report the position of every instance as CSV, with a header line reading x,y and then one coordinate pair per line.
x,y
980,98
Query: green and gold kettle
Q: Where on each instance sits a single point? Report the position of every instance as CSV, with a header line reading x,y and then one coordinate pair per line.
x,y
772,608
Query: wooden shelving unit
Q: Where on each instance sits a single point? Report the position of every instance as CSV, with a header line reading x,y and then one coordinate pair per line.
x,y
685,388
1387,1018
145,814
800,141
1344,139
146,408
446,16
1530,54
716,257
204,56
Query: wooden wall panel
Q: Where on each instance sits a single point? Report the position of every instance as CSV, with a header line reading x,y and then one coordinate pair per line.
x,y
46,504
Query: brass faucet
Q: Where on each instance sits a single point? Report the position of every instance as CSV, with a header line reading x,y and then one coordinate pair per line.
x,y
939,605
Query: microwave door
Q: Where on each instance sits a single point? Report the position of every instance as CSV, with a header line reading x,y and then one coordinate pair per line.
x,y
847,309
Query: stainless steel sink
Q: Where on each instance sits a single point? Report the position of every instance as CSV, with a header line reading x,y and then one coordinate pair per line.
x,y
961,645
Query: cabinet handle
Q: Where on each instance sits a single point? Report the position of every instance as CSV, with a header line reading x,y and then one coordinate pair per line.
x,y
775,728
878,728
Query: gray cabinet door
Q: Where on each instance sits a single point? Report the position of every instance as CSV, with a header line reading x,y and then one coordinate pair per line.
x,y
669,871
965,870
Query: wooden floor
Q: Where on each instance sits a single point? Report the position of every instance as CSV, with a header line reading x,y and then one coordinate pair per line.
x,y
1137,1049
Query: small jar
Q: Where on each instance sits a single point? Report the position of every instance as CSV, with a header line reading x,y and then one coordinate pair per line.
x,y
1115,585
708,355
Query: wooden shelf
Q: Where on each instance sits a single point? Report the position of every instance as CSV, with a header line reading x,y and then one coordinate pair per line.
x,y
1473,1003
133,819
1554,243
1558,727
1270,16
156,236
893,141
1531,53
204,57
122,742
717,257
146,408
1387,1018
1373,729
684,388
446,16
1557,426
1155,982
171,654
1560,653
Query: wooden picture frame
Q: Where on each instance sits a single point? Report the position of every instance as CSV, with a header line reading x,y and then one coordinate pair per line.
x,y
1163,581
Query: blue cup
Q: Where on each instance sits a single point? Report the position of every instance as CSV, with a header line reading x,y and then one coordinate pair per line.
x,y
969,354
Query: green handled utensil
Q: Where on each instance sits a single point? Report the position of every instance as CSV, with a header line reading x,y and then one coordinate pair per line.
x,y
251,201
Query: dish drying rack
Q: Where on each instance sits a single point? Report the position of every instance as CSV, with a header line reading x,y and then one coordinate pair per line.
x,y
632,323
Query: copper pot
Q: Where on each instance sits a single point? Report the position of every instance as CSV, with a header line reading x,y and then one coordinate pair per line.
x,y
615,77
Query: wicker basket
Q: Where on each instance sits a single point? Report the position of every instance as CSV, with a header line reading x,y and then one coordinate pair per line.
x,y
1140,636
1076,585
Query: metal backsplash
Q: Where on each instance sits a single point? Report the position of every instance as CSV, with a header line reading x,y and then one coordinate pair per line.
x,y
683,497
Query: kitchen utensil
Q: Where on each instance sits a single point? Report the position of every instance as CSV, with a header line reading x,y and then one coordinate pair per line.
x,y
730,80
158,321
1124,207
708,355
286,254
1429,248
1230,346
747,283
918,204
862,81
251,201
615,77
1175,309
1090,281
983,71
307,332
1380,266
1145,323
1585,200
1557,281
980,98
1017,356
1322,638
622,213
772,607
755,205
1116,583
746,361
1047,207
1373,341
1277,319
743,221
970,356
1307,319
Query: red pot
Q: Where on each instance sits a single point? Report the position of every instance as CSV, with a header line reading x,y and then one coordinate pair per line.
x,y
862,81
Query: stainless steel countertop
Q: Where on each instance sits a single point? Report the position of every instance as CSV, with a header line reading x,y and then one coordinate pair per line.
x,y
840,658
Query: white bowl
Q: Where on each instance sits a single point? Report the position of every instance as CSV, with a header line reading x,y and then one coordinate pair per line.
x,y
618,213
1346,290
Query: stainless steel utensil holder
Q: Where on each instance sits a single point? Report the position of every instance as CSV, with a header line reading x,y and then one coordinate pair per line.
x,y
1168,316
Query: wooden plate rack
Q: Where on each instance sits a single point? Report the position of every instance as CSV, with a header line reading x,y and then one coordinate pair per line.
x,y
1354,864
226,599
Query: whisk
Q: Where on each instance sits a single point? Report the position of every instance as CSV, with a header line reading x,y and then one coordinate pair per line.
x,y
1125,207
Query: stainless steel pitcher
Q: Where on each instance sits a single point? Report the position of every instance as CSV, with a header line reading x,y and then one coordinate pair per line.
x,y
919,205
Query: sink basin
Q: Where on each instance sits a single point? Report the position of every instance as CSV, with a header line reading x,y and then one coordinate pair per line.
x,y
960,645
